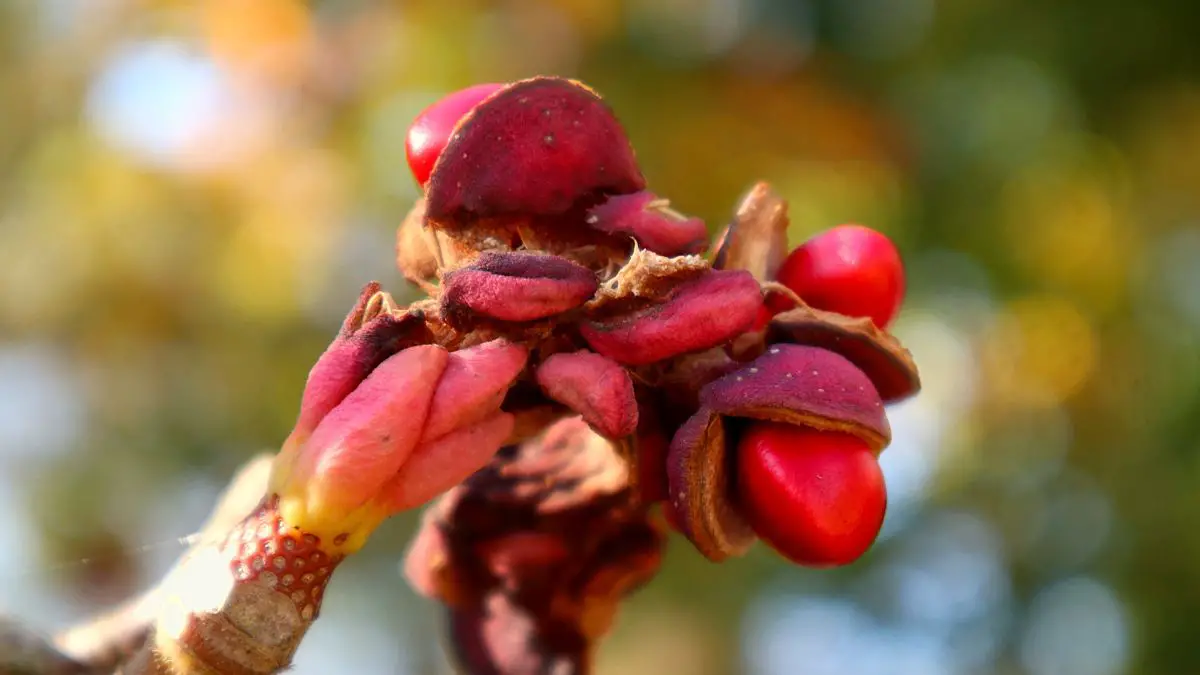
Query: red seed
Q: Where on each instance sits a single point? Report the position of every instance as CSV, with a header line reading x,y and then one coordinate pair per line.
x,y
430,132
850,269
818,498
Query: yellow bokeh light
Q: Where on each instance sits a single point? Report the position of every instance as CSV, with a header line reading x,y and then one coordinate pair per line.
x,y
1039,352
267,37
1067,225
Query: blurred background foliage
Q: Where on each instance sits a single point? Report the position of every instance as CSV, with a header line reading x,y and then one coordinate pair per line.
x,y
191,194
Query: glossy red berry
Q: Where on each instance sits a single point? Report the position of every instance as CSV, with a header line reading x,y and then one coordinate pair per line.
x,y
816,497
430,132
851,270
762,318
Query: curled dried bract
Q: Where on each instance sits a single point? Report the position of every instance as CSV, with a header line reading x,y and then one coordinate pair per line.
x,y
415,257
756,240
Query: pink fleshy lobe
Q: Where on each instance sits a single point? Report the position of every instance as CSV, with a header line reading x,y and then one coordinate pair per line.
x,y
366,339
594,386
364,441
516,286
473,386
700,314
646,217
534,148
438,465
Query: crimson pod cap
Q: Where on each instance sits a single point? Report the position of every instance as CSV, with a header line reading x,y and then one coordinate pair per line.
x,y
535,147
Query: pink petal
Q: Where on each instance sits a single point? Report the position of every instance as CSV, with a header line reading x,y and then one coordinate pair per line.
x,y
594,386
360,346
473,386
368,436
438,466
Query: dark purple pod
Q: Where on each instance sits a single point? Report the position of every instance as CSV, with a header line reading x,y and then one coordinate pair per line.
x,y
514,286
649,220
534,148
594,386
700,314
805,386
886,362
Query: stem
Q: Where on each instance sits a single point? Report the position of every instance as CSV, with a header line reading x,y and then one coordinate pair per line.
x,y
239,606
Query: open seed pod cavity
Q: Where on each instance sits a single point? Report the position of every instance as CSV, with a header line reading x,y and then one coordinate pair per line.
x,y
793,384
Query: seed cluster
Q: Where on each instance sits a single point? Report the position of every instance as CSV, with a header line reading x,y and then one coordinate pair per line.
x,y
719,382
562,247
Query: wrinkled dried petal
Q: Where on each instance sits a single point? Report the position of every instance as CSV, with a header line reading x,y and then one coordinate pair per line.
x,y
440,464
756,240
631,558
499,637
649,220
700,488
533,554
806,386
878,354
595,387
565,469
700,314
533,148
517,286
